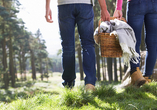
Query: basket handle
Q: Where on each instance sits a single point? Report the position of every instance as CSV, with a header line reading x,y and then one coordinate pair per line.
x,y
111,18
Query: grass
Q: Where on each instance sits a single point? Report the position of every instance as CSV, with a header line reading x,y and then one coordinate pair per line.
x,y
106,97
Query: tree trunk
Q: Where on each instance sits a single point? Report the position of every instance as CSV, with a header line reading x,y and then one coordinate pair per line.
x,y
41,68
80,62
15,69
24,66
120,68
103,68
11,63
109,68
24,70
115,70
6,75
47,68
33,64
98,62
20,63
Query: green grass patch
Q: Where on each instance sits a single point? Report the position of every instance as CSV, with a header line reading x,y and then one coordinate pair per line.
x,y
106,97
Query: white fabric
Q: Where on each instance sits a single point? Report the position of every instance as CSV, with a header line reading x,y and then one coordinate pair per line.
x,y
127,40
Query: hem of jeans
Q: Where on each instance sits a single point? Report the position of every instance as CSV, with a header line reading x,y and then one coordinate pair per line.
x,y
90,83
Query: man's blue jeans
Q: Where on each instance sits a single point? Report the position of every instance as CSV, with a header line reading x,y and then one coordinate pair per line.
x,y
82,15
139,12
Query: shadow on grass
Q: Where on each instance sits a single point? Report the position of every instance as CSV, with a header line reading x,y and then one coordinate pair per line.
x,y
130,98
12,95
23,90
25,83
28,83
9,95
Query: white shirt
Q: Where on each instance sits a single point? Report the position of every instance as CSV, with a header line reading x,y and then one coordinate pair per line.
x,y
62,2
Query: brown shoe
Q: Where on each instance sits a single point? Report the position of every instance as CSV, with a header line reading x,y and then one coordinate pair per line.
x,y
89,87
148,80
137,79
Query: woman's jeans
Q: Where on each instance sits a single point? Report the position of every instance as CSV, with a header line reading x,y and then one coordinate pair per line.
x,y
139,12
82,15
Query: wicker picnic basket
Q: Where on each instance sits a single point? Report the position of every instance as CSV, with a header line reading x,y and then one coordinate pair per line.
x,y
109,44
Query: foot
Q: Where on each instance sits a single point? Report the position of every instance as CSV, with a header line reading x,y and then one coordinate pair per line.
x,y
89,87
148,80
137,79
68,84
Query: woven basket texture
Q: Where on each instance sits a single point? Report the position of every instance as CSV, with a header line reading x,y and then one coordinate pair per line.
x,y
109,44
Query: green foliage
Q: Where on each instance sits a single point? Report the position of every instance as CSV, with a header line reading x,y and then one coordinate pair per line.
x,y
4,14
78,97
104,91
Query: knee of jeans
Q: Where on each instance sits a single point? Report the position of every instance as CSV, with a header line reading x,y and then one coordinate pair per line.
x,y
86,44
88,48
85,47
68,50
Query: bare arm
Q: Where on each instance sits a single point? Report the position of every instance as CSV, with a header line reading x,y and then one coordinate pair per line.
x,y
48,14
105,16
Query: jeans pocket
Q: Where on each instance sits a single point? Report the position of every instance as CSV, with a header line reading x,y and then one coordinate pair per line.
x,y
154,5
64,11
134,7
86,11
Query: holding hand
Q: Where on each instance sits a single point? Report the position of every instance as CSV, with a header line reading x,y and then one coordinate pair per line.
x,y
118,14
105,16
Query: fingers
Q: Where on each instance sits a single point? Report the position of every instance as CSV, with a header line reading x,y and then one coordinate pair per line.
x,y
48,19
48,16
105,16
105,19
118,14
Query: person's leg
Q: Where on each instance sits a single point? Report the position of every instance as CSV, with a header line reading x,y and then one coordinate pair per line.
x,y
135,18
67,28
151,41
85,20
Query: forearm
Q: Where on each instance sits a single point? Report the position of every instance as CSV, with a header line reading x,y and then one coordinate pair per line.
x,y
102,4
105,16
47,4
48,14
